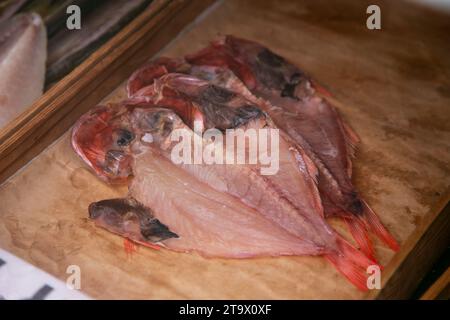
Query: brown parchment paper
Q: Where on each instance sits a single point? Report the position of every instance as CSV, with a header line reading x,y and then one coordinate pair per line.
x,y
393,87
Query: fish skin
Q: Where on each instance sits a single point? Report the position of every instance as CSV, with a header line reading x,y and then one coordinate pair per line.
x,y
227,226
310,120
23,52
291,190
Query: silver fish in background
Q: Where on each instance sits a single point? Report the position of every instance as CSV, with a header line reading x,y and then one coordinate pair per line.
x,y
23,53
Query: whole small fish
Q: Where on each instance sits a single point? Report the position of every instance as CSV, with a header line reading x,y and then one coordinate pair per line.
x,y
296,106
23,52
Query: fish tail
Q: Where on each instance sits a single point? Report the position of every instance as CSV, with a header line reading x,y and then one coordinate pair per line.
x,y
351,263
360,234
374,224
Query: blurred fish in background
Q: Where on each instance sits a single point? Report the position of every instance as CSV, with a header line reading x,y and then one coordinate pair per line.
x,y
23,52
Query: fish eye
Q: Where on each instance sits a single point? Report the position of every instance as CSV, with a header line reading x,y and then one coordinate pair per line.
x,y
124,137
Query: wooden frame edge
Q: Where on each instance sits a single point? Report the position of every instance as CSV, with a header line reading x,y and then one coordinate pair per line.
x,y
417,255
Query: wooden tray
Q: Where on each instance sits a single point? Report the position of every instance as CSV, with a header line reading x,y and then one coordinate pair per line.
x,y
393,87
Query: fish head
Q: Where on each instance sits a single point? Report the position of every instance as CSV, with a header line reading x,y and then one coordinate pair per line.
x,y
129,218
103,139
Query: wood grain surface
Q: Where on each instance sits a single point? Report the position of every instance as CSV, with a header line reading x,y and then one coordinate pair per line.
x,y
393,89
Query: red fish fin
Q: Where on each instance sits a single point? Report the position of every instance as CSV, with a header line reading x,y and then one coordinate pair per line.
x,y
350,271
351,141
302,158
351,151
129,247
351,146
353,254
351,263
314,174
311,167
374,224
361,236
351,135
304,161
350,167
